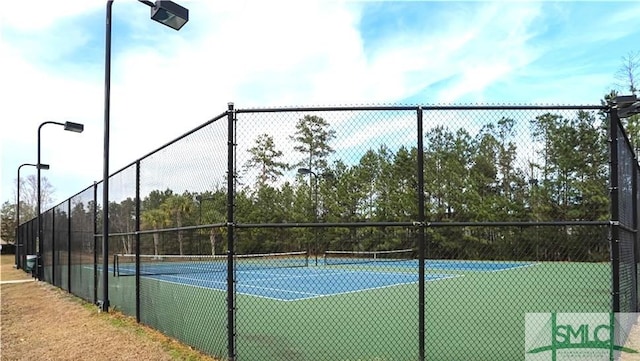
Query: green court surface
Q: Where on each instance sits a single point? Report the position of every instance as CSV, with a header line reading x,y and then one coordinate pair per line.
x,y
476,315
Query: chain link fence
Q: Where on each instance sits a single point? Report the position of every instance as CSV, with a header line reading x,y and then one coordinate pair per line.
x,y
361,233
82,255
624,214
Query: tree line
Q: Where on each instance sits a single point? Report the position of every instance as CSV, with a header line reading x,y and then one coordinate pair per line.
x,y
468,178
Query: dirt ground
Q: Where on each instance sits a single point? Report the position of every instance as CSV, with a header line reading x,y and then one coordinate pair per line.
x,y
41,322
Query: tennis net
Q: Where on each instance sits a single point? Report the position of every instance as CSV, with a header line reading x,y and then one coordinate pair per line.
x,y
125,264
354,257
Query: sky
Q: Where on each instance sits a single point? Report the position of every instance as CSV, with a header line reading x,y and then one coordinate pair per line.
x,y
280,53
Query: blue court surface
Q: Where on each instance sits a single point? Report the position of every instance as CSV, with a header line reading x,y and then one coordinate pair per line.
x,y
293,284
300,283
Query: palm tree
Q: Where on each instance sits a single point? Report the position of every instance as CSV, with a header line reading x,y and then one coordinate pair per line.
x,y
155,219
178,206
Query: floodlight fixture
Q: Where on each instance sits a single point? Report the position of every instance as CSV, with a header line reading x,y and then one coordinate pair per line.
x,y
623,101
305,171
168,13
74,127
626,105
630,110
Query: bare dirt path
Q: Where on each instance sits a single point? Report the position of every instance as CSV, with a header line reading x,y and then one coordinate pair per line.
x,y
41,322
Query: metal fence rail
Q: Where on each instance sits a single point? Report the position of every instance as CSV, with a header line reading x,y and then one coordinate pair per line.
x,y
364,233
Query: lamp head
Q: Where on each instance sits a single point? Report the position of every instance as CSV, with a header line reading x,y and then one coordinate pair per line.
x,y
630,110
170,14
627,105
74,127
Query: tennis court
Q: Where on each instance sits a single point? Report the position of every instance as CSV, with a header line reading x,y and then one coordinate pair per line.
x,y
291,309
292,304
288,276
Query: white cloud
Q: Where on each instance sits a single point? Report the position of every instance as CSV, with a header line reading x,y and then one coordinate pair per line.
x,y
253,53
40,15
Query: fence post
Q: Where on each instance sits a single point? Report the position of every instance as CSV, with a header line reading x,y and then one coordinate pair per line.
x,y
230,233
635,215
421,236
95,243
69,245
137,228
52,239
615,209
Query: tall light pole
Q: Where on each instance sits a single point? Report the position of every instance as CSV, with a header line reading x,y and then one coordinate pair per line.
x,y
167,13
315,206
18,244
68,126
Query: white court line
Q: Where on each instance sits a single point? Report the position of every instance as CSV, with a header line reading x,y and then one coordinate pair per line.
x,y
373,288
311,295
348,292
281,276
512,268
449,265
224,290
241,285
